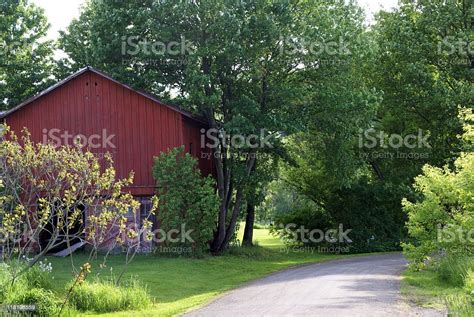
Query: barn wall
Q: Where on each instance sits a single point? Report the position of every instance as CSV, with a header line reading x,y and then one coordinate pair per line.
x,y
192,143
91,104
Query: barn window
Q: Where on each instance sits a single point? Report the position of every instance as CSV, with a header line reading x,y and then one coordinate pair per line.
x,y
191,148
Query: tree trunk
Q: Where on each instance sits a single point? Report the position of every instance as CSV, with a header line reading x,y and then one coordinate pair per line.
x,y
220,243
249,222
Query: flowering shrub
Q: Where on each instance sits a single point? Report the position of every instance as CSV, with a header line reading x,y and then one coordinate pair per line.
x,y
45,189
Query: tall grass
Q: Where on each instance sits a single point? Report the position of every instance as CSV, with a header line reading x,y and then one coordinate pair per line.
x,y
104,296
459,272
454,270
31,288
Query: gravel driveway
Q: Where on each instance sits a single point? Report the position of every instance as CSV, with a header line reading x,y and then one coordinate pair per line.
x,y
361,286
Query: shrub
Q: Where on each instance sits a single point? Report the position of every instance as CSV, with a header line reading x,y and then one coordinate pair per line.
x,y
45,301
31,288
371,211
455,270
5,279
185,198
442,219
105,296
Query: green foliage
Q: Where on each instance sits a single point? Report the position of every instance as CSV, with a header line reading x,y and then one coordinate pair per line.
x,y
460,305
365,208
424,74
105,296
45,301
456,271
5,279
440,225
32,288
469,281
38,278
26,59
186,198
442,218
372,210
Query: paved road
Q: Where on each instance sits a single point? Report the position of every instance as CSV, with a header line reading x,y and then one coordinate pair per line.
x,y
364,286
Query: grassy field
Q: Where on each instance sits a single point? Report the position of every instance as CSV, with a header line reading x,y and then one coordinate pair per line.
x,y
178,284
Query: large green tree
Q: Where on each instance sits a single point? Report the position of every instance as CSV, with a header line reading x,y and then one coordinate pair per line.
x,y
233,69
26,58
417,58
423,69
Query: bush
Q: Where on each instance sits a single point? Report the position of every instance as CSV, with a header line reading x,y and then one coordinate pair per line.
x,y
469,282
105,296
455,270
5,279
186,198
371,211
45,301
442,219
31,288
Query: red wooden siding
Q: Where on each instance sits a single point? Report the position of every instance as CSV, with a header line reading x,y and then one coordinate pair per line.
x,y
92,103
192,137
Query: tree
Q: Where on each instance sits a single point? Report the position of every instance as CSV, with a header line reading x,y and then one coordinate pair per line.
x,y
423,70
248,68
234,73
26,58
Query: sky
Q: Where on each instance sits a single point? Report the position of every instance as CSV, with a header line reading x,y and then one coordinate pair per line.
x,y
61,12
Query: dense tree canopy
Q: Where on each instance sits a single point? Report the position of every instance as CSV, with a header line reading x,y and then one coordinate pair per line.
x,y
25,56
318,94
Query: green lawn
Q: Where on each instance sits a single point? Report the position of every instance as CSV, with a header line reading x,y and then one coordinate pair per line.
x,y
178,284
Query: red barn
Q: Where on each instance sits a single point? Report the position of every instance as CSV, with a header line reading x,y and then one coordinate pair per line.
x,y
111,117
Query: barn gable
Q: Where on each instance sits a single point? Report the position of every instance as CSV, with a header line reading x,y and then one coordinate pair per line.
x,y
132,126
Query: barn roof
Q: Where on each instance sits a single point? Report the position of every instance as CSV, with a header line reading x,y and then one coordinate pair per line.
x,y
91,69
